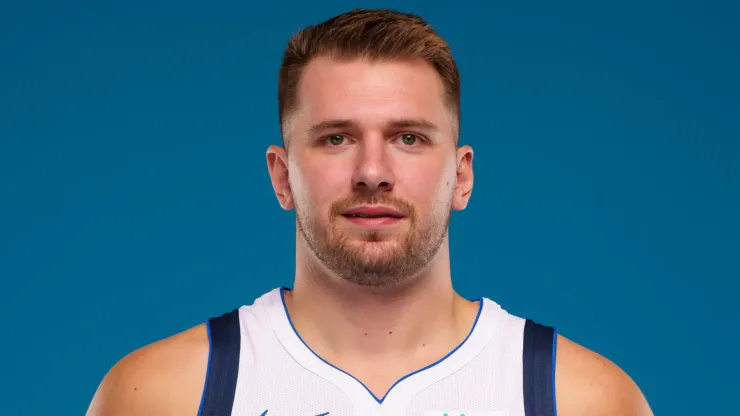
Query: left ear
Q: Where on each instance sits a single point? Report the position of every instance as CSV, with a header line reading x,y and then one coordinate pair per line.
x,y
464,185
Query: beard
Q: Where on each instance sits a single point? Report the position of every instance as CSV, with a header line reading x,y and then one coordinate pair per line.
x,y
374,258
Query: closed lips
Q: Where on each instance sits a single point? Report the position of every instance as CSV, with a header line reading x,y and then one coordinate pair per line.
x,y
373,212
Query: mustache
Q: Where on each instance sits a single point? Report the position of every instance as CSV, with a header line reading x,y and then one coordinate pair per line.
x,y
399,204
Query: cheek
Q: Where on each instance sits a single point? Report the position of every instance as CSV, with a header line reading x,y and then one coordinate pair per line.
x,y
316,185
428,186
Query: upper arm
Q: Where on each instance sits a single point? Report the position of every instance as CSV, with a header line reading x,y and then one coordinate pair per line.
x,y
588,384
164,378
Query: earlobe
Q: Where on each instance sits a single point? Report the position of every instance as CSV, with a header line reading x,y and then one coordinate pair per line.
x,y
287,198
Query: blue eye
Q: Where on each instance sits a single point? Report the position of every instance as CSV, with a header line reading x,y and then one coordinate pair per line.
x,y
409,139
335,139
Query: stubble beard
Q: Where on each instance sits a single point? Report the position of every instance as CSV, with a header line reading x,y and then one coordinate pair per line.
x,y
372,259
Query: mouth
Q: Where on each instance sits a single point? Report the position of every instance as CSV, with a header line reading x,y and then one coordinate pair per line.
x,y
373,216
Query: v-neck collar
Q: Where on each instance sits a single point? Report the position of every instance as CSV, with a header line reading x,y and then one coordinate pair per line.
x,y
404,389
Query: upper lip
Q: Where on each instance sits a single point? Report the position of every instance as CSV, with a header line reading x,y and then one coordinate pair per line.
x,y
374,211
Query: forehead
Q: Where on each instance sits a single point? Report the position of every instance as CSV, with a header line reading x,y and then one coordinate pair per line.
x,y
369,92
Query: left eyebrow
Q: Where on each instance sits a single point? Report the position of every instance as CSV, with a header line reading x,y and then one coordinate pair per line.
x,y
405,123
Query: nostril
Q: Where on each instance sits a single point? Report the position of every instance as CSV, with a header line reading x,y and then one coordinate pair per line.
x,y
373,187
385,185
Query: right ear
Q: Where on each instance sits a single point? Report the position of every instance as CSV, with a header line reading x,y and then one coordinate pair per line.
x,y
277,165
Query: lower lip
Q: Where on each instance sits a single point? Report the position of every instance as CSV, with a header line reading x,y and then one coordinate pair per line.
x,y
373,222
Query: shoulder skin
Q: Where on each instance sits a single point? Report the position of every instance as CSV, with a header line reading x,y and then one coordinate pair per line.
x,y
161,379
587,384
167,378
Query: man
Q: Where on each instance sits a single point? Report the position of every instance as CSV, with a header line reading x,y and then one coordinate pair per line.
x,y
369,105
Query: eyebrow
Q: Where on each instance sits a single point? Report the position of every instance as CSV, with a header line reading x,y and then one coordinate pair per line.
x,y
401,123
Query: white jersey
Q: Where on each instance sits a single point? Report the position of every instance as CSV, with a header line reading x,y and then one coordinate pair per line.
x,y
259,366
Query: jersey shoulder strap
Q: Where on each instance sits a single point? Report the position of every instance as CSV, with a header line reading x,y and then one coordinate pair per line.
x,y
540,343
224,338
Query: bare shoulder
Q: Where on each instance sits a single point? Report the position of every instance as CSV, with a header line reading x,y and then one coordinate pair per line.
x,y
589,384
163,378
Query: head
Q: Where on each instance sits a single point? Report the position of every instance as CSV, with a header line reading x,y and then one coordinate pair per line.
x,y
369,105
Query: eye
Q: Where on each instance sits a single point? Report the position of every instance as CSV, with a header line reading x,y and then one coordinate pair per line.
x,y
335,139
409,139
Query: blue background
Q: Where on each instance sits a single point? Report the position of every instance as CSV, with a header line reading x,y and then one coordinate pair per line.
x,y
135,200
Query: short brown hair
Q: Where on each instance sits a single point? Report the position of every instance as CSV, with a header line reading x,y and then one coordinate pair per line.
x,y
370,34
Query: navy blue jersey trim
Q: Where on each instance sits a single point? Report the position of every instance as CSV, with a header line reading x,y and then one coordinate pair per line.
x,y
224,338
554,364
539,369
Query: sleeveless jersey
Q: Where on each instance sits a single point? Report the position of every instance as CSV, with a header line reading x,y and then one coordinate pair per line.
x,y
258,365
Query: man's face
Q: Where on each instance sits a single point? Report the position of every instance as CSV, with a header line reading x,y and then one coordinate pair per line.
x,y
372,167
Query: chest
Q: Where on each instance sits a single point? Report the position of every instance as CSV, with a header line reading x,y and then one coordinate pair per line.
x,y
488,385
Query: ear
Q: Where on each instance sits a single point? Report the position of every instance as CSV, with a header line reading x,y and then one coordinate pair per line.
x,y
464,184
277,165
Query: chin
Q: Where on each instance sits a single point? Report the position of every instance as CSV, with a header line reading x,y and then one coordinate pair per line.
x,y
378,272
374,242
373,246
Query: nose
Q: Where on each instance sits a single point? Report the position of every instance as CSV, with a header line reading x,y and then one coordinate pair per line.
x,y
373,172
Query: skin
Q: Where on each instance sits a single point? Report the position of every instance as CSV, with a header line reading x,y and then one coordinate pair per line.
x,y
367,299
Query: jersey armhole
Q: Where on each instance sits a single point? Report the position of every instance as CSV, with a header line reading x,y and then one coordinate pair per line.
x,y
224,345
538,359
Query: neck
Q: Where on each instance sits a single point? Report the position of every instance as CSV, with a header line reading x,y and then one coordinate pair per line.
x,y
344,320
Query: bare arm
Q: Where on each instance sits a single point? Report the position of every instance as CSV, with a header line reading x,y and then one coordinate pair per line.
x,y
161,379
588,384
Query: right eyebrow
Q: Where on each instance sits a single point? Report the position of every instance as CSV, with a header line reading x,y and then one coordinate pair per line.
x,y
322,126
